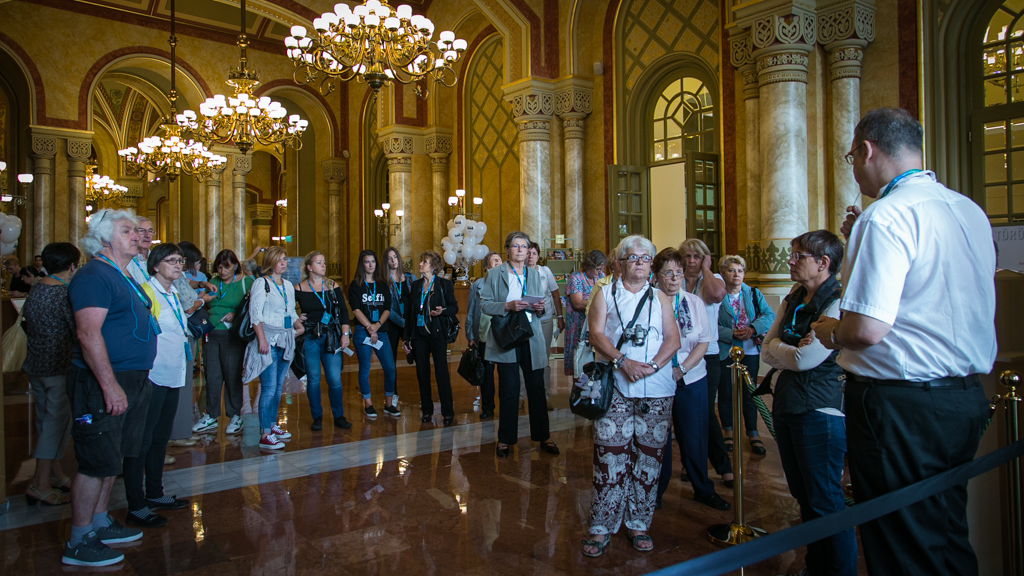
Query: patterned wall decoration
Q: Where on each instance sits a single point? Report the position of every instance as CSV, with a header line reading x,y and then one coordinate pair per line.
x,y
652,28
493,159
124,113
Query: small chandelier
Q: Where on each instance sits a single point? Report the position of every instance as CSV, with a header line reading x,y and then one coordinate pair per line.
x,y
99,187
374,44
241,118
172,153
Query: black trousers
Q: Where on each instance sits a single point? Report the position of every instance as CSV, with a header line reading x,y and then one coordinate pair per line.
x,y
508,394
691,426
487,388
717,454
423,349
394,333
163,404
223,356
897,436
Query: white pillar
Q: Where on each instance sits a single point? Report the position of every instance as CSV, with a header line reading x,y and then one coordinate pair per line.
x,y
335,172
399,191
235,220
844,58
751,102
213,215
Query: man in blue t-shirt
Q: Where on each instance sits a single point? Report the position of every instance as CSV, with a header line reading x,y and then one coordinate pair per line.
x,y
107,382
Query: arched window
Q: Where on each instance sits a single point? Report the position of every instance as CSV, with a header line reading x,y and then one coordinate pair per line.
x,y
684,120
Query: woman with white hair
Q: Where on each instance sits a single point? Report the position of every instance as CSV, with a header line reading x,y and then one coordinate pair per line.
x,y
632,324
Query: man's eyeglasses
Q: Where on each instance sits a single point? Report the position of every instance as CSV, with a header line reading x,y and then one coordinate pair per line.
x,y
174,260
849,155
145,231
796,256
633,259
671,275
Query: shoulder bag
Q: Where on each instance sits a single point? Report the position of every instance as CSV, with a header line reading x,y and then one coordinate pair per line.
x,y
449,324
244,329
512,328
591,397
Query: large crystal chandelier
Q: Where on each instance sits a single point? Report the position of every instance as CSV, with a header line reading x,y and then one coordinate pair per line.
x,y
101,187
241,118
374,44
171,153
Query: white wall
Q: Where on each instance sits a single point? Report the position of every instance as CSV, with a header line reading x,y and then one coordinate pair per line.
x,y
668,205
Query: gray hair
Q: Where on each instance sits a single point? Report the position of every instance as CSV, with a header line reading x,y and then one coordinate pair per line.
x,y
513,235
892,130
101,229
635,242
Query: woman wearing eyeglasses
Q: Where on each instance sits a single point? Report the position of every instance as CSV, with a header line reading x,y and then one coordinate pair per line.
x,y
750,317
632,324
810,427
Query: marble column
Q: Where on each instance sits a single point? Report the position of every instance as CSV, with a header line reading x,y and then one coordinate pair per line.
x,y
573,102
399,192
78,152
335,172
752,126
439,175
535,176
213,214
782,77
44,149
844,58
235,221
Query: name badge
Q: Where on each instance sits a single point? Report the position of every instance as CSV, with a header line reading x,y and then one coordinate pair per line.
x,y
419,319
529,316
374,315
326,318
286,323
154,325
188,352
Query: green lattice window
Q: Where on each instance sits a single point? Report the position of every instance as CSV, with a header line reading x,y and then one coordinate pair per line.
x,y
684,120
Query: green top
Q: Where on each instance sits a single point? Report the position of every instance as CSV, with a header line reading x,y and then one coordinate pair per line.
x,y
227,299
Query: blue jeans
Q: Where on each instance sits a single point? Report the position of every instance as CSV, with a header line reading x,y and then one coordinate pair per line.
x,y
811,446
271,380
315,354
387,362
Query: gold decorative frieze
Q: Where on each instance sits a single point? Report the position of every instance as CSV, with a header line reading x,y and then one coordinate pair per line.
x,y
335,170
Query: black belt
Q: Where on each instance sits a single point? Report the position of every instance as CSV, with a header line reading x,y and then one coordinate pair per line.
x,y
947,382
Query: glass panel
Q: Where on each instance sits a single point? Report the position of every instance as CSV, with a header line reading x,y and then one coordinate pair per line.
x,y
699,220
995,200
659,130
707,120
673,129
671,91
1017,205
691,123
711,171
623,204
699,189
707,143
634,181
1018,26
994,60
693,143
623,181
711,219
1017,88
995,93
1016,165
998,26
1016,56
659,108
634,205
1016,132
705,98
711,195
995,136
692,85
659,151
698,170
995,168
675,149
634,225
624,225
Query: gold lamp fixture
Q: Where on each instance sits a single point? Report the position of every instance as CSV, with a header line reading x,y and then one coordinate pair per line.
x,y
376,45
241,118
99,187
171,153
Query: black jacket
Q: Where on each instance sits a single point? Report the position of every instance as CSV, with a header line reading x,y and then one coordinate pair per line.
x,y
442,294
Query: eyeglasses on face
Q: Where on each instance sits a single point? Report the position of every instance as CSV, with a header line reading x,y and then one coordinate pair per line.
x,y
671,275
634,258
519,246
849,155
797,256
145,231
174,260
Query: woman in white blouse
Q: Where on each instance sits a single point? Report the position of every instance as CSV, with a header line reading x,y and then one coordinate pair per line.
x,y
169,373
273,318
632,324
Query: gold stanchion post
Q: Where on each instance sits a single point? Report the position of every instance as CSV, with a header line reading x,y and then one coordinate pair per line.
x,y
736,532
1011,380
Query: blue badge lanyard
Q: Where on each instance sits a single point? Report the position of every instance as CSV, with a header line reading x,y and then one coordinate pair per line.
x,y
59,280
396,294
141,269
897,180
280,290
220,287
374,314
424,295
675,312
179,312
322,299
142,298
522,282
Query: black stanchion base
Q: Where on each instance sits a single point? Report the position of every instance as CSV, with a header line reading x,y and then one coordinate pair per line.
x,y
732,534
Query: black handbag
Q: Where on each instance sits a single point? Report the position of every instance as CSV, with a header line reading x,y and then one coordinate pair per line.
x,y
511,330
449,328
199,324
244,329
472,366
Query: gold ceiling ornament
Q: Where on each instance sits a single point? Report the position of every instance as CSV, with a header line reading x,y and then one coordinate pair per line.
x,y
374,44
100,187
241,118
172,153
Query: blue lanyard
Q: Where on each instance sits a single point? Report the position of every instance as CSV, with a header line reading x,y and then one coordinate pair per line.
x,y
424,294
675,308
175,309
220,287
59,280
373,295
522,284
896,181
280,290
124,278
322,299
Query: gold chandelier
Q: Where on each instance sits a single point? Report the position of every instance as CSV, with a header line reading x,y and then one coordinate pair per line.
x,y
374,44
241,118
172,153
100,187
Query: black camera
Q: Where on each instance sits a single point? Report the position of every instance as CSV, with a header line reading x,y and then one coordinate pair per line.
x,y
637,335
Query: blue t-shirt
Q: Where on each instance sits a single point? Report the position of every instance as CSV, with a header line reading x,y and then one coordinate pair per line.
x,y
127,331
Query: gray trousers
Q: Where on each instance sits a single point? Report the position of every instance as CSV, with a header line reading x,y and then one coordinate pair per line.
x,y
223,355
184,417
53,416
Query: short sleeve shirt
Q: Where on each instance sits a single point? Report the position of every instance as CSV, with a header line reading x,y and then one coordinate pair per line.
x,y
703,331
710,309
126,331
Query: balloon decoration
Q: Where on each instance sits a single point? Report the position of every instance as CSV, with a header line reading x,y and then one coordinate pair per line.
x,y
463,245
10,229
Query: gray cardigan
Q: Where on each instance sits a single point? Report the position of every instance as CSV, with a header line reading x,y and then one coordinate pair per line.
x,y
473,310
493,292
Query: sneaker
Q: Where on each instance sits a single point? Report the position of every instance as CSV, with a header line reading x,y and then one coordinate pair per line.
x,y
369,411
205,424
151,520
392,411
235,426
341,422
117,534
280,434
91,552
270,442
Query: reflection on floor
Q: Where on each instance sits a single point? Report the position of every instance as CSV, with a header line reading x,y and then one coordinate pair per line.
x,y
388,496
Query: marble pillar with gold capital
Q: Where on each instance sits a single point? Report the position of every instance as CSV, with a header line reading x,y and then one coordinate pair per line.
x,y
78,153
438,145
844,59
533,104
44,150
236,211
335,172
398,150
213,213
743,60
573,103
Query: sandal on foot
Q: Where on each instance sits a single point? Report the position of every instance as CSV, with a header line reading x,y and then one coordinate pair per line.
x,y
757,447
50,498
599,544
636,539
63,483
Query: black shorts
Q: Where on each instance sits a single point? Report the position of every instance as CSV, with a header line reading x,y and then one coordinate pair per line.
x,y
103,441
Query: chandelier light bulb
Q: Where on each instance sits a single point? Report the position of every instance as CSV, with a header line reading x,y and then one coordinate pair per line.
x,y
404,11
386,206
25,178
478,201
399,213
3,165
460,193
452,200
378,213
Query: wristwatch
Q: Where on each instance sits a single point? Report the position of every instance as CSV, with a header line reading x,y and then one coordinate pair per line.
x,y
654,365
683,369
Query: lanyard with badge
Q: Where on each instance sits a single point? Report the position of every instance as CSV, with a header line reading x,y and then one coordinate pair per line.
x,y
326,318
179,314
61,280
423,298
280,290
897,180
220,287
142,298
374,314
522,284
141,269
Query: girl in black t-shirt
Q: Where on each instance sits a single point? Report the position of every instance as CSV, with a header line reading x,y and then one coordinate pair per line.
x,y
370,301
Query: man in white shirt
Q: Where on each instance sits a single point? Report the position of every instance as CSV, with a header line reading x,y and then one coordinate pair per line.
x,y
137,267
917,329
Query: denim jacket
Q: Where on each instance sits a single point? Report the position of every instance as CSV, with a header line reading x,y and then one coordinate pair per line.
x,y
763,322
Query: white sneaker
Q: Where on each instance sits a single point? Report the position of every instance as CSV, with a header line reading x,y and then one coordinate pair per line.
x,y
278,432
270,442
235,426
205,424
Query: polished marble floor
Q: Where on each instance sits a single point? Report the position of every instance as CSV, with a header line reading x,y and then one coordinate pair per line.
x,y
388,496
